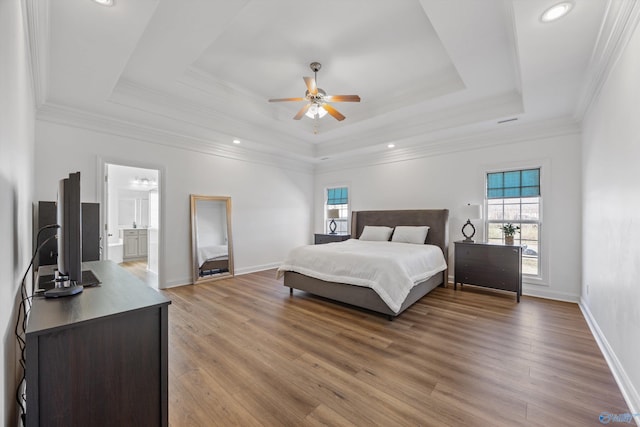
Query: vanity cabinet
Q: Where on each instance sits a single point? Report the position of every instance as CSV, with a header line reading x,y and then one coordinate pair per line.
x,y
135,243
143,243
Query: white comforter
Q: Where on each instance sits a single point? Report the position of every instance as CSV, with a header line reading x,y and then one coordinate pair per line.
x,y
212,252
391,269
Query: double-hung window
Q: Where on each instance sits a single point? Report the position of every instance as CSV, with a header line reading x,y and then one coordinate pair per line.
x,y
337,198
513,197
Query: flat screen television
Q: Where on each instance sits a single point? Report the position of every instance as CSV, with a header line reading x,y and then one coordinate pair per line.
x,y
69,235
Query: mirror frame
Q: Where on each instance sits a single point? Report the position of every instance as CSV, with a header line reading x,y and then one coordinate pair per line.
x,y
194,198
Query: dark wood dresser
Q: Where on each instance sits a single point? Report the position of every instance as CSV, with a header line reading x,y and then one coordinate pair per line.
x,y
489,265
99,358
320,239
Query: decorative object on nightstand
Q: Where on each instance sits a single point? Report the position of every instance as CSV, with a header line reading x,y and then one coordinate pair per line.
x,y
509,231
469,212
489,265
333,214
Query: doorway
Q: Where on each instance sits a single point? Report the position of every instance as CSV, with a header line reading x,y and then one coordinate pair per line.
x,y
132,219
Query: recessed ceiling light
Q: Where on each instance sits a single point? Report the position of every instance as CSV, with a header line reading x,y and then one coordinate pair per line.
x,y
556,12
391,145
236,141
104,2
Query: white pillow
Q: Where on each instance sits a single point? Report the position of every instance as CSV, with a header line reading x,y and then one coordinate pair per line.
x,y
410,234
376,233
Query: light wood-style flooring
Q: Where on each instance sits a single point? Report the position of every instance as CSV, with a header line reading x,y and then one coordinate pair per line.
x,y
139,269
243,352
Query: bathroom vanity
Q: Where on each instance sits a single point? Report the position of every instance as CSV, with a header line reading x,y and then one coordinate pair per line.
x,y
135,243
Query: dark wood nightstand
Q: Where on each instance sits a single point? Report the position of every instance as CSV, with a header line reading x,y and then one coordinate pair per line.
x,y
320,239
489,265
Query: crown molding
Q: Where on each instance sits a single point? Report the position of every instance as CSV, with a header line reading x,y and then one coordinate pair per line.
x,y
199,79
64,115
512,41
36,21
621,19
164,105
427,145
421,124
433,145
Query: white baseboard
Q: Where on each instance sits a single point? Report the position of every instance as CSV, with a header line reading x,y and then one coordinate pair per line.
x,y
256,268
542,292
238,272
176,283
629,392
545,292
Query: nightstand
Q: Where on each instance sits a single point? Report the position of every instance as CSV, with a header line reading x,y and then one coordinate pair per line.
x,y
320,239
490,265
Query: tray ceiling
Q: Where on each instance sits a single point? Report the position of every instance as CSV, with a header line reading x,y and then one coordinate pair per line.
x,y
205,69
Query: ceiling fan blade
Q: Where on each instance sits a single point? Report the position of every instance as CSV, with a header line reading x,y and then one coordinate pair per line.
x,y
342,98
302,112
286,99
335,113
311,85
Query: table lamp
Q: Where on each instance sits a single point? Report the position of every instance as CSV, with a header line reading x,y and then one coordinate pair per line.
x,y
469,212
333,214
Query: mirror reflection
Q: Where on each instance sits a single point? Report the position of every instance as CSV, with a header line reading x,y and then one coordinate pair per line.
x,y
212,253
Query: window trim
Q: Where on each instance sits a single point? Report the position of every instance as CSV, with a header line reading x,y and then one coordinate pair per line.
x,y
545,193
325,220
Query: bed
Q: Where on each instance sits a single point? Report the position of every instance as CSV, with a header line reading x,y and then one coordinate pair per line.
x,y
213,259
365,297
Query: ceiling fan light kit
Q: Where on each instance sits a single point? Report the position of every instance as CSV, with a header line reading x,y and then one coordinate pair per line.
x,y
317,106
316,110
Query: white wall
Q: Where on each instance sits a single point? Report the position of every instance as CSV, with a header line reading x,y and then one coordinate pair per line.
x,y
270,206
452,180
611,205
16,189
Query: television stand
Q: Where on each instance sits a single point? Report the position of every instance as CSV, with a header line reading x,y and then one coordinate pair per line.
x,y
99,358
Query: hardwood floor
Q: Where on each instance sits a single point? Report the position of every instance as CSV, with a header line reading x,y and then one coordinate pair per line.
x,y
243,352
139,269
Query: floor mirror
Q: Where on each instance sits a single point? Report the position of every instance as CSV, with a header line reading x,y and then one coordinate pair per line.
x,y
212,245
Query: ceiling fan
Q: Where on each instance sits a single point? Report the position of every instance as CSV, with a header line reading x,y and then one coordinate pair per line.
x,y
317,98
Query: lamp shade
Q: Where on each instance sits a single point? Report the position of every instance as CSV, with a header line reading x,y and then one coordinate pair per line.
x,y
470,212
333,213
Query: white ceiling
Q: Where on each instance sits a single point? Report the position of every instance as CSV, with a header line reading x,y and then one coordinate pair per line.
x,y
203,70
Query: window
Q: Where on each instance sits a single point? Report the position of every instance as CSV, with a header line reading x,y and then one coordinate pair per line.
x,y
338,198
514,197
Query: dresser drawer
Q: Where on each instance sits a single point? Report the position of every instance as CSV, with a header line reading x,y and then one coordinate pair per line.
x,y
480,255
320,239
490,278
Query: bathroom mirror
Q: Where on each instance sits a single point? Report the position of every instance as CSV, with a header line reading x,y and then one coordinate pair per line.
x,y
212,247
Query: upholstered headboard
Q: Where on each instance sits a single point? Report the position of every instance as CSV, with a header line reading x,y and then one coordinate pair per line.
x,y
436,219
